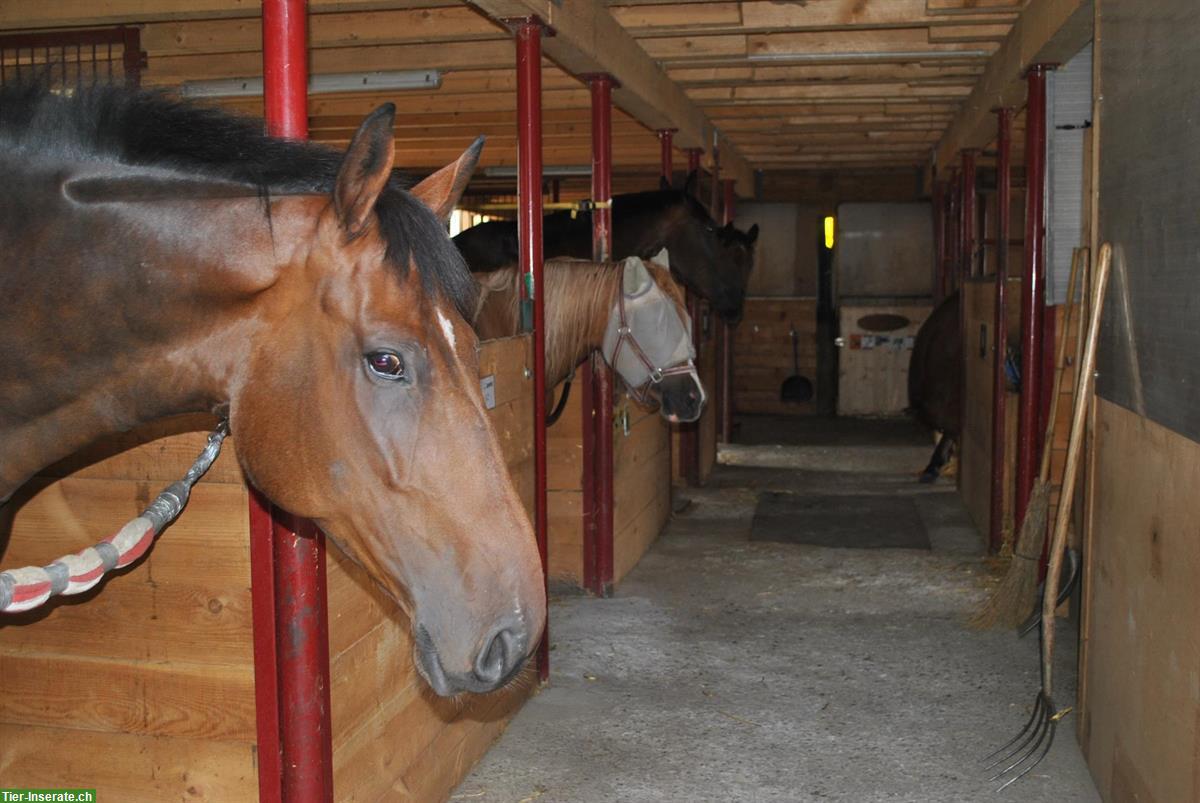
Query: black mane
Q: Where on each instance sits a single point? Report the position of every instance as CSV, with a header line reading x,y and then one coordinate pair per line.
x,y
153,129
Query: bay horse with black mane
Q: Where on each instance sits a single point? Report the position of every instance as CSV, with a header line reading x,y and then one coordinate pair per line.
x,y
159,257
632,312
644,223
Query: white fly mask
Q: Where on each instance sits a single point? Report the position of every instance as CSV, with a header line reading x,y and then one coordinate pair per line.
x,y
646,339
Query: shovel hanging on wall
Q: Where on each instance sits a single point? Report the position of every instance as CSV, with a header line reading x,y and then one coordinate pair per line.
x,y
797,388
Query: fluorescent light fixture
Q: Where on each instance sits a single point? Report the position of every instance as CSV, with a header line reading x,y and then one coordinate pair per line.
x,y
560,171
877,55
318,84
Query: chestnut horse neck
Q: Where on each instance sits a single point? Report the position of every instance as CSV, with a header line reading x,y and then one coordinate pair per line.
x,y
580,296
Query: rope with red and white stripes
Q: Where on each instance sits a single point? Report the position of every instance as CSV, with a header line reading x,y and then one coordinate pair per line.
x,y
28,587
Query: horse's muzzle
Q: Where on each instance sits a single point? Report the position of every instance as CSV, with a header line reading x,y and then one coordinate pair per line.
x,y
499,660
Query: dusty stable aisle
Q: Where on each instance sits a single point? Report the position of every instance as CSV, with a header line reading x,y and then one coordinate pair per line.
x,y
734,670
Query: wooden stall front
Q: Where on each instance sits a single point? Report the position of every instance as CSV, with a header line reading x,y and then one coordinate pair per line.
x,y
641,487
143,688
764,357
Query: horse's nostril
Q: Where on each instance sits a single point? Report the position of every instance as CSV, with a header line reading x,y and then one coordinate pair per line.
x,y
499,657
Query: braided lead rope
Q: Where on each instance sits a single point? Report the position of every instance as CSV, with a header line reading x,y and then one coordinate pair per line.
x,y
28,587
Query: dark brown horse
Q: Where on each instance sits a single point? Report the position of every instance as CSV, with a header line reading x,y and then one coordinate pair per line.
x,y
935,374
644,223
584,301
162,258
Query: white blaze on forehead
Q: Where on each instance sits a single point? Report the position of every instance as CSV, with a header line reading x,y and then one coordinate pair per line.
x,y
447,328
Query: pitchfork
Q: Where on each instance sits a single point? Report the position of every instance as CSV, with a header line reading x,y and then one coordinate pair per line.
x,y
1033,743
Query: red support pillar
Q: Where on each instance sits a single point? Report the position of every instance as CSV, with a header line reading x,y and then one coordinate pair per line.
x,y
666,137
1000,327
291,632
726,395
600,505
1032,288
528,32
693,155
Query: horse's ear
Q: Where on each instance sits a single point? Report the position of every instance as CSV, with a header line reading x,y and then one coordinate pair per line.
x,y
689,186
441,191
728,228
365,169
752,235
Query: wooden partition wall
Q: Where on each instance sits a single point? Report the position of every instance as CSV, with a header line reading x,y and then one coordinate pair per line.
x,y
641,487
763,356
143,688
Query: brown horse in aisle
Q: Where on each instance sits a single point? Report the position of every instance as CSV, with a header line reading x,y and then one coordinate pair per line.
x,y
631,311
159,257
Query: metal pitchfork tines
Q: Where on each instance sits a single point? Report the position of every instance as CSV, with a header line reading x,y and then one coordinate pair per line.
x,y
1029,746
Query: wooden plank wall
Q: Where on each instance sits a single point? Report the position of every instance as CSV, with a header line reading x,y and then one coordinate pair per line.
x,y
762,354
1139,682
641,487
975,447
144,688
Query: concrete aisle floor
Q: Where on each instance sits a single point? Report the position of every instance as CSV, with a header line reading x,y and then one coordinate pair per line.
x,y
731,670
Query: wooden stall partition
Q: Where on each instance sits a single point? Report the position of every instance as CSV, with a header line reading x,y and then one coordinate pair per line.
x,y
564,492
763,357
393,738
975,444
144,687
1140,682
641,488
642,485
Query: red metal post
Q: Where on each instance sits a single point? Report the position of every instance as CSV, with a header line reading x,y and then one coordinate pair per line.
x,y
666,138
726,395
602,383
1000,327
291,641
528,33
1032,288
693,155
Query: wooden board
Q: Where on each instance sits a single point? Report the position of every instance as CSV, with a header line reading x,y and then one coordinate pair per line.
x,y
641,487
762,353
975,446
1141,726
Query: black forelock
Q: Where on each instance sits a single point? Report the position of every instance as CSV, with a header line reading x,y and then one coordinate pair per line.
x,y
153,129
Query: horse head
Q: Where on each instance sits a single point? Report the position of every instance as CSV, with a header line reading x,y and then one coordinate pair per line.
x,y
358,406
700,257
648,340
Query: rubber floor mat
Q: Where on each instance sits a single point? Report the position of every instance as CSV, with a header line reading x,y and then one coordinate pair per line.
x,y
855,521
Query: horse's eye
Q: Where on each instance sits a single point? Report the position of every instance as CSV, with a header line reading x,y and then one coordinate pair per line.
x,y
387,365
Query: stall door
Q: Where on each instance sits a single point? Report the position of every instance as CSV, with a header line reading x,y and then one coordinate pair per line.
x,y
875,344
883,278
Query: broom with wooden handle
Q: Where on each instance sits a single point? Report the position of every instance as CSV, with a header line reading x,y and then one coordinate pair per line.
x,y
1012,600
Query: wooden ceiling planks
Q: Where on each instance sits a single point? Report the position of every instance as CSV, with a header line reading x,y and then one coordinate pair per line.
x,y
778,80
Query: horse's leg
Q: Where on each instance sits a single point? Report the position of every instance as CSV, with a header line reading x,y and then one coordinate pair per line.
x,y
941,454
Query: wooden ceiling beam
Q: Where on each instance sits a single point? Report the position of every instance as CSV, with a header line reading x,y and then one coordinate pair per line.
x,y
1046,31
589,40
